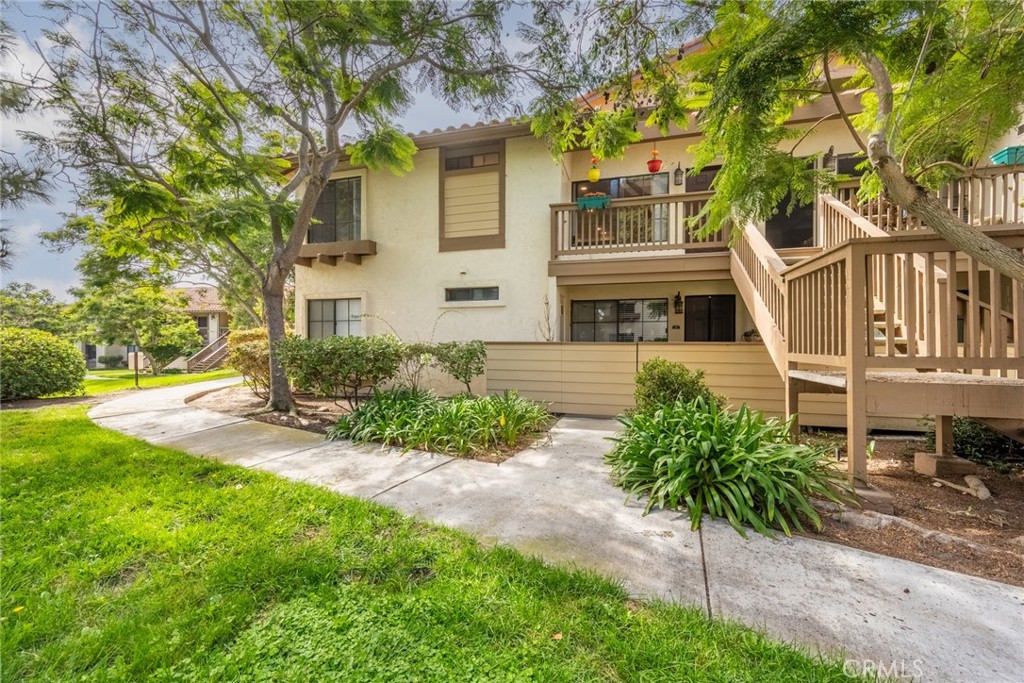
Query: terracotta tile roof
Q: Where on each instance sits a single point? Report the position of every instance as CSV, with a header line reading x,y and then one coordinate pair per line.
x,y
203,300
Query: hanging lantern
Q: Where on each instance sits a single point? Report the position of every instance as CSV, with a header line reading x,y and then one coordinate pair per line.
x,y
678,174
654,163
594,174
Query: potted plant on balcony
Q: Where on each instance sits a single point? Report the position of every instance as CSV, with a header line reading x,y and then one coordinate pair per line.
x,y
654,163
594,174
593,200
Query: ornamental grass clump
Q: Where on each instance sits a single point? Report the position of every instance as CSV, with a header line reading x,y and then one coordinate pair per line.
x,y
737,465
460,425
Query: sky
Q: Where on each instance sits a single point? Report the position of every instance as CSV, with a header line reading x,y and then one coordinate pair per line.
x,y
33,261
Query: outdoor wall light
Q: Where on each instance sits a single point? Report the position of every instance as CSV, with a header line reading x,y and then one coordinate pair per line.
x,y
677,303
677,175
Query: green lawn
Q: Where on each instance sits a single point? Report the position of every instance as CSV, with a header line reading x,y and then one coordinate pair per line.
x,y
129,562
116,380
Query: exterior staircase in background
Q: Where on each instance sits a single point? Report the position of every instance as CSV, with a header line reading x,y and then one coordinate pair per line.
x,y
891,315
211,356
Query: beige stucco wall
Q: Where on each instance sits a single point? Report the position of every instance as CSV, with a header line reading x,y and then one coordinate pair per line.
x,y
404,283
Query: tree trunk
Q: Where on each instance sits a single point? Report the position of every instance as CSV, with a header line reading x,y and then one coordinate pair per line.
x,y
273,306
929,209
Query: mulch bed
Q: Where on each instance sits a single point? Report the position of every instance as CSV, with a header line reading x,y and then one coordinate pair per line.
x,y
993,524
312,414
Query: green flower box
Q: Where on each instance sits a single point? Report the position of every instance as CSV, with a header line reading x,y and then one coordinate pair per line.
x,y
1009,156
588,203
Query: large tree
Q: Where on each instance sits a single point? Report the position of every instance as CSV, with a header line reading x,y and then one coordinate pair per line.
x,y
940,83
22,180
190,119
22,305
144,314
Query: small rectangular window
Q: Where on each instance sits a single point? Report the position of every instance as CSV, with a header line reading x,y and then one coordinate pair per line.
x,y
334,317
471,294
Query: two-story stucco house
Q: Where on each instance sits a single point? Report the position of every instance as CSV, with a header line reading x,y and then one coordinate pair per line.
x,y
490,238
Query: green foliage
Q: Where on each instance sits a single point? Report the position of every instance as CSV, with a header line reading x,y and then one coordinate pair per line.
x,y
249,353
955,70
416,358
34,363
661,382
462,360
736,465
459,425
127,562
145,315
111,362
340,366
981,444
22,305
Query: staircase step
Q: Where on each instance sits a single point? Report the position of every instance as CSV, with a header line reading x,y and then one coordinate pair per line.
x,y
1006,426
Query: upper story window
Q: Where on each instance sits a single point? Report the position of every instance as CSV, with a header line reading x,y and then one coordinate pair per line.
x,y
625,187
472,197
338,213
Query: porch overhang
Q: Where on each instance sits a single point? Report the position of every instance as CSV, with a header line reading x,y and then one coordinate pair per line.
x,y
680,268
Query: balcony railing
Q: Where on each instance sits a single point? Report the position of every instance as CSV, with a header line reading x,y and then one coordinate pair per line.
x,y
989,196
633,225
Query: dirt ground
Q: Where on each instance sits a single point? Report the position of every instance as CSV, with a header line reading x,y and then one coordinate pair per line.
x,y
991,524
313,414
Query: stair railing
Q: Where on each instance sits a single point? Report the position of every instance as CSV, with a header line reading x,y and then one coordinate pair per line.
x,y
757,271
208,351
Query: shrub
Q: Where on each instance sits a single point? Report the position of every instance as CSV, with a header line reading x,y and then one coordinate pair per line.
x,y
736,465
110,362
981,444
459,425
462,360
249,353
34,363
416,357
661,382
340,366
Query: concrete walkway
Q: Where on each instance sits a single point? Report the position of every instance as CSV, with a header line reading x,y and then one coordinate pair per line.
x,y
556,501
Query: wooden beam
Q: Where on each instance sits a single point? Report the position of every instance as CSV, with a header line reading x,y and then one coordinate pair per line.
x,y
327,259
304,261
349,257
944,434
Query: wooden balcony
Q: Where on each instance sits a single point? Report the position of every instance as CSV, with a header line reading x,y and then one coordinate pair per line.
x,y
631,227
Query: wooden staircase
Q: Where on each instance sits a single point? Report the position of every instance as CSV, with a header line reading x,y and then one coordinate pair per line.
x,y
892,316
211,356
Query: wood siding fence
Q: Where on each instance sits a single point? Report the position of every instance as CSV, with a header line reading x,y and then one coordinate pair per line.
x,y
597,379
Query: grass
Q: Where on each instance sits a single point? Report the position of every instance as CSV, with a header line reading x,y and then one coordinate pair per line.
x,y
129,562
116,380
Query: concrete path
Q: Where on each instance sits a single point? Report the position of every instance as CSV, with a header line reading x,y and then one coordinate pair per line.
x,y
556,501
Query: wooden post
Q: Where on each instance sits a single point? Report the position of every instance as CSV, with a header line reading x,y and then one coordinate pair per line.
x,y
856,362
793,402
944,435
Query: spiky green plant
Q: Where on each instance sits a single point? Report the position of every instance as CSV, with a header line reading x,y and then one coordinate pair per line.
x,y
738,465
